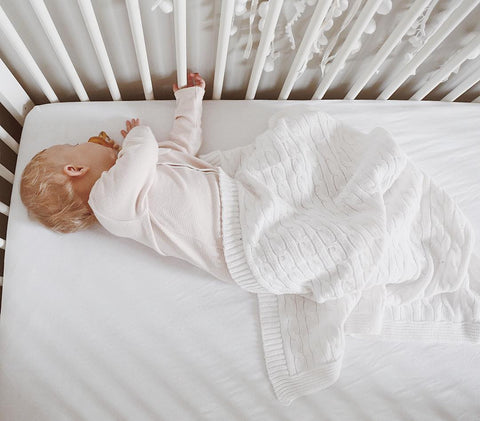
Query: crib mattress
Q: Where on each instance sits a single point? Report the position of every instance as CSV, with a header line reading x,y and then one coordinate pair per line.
x,y
95,327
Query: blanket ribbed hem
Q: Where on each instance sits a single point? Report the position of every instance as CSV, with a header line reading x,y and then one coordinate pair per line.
x,y
431,331
288,387
234,251
414,331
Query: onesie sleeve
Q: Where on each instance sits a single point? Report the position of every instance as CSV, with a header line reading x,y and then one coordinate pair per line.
x,y
186,133
121,192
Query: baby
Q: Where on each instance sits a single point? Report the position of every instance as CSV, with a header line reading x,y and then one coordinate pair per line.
x,y
157,193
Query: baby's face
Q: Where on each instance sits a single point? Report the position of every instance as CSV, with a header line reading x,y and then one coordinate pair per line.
x,y
97,157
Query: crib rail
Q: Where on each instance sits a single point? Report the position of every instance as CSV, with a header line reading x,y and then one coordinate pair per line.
x,y
390,43
23,76
457,16
294,62
305,47
16,104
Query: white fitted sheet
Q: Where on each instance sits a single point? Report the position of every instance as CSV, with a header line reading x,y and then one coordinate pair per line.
x,y
95,327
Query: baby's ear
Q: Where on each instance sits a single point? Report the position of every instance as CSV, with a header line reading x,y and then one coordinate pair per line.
x,y
75,170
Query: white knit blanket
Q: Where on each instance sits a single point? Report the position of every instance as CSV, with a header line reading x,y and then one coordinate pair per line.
x,y
339,233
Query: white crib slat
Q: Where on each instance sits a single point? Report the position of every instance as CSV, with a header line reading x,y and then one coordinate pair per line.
x,y
8,140
136,27
458,15
6,174
96,36
12,95
266,39
226,16
53,36
355,33
305,47
463,86
456,60
390,43
4,209
180,24
17,43
2,246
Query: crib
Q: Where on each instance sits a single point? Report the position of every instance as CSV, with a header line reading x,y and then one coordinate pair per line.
x,y
407,62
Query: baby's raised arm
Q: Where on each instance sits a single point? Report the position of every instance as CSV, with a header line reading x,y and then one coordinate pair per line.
x,y
186,132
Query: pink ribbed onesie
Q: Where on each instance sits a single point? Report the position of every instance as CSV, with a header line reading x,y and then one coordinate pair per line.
x,y
163,196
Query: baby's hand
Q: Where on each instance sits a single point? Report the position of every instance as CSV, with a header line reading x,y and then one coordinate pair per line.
x,y
194,79
130,124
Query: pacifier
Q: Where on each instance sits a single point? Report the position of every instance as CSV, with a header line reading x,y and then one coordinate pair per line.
x,y
104,140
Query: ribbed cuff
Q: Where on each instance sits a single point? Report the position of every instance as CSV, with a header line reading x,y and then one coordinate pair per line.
x,y
195,91
288,387
232,236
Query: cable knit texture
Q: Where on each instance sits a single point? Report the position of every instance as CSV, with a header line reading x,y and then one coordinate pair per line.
x,y
339,233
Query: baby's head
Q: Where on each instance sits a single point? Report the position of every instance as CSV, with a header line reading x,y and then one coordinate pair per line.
x,y
56,184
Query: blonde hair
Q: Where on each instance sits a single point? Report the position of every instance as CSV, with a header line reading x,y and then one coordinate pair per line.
x,y
50,198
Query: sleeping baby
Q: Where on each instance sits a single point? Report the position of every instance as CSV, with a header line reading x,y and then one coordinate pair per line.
x,y
157,193
335,230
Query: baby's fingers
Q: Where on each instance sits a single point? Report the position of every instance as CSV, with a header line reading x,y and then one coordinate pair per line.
x,y
199,80
130,124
